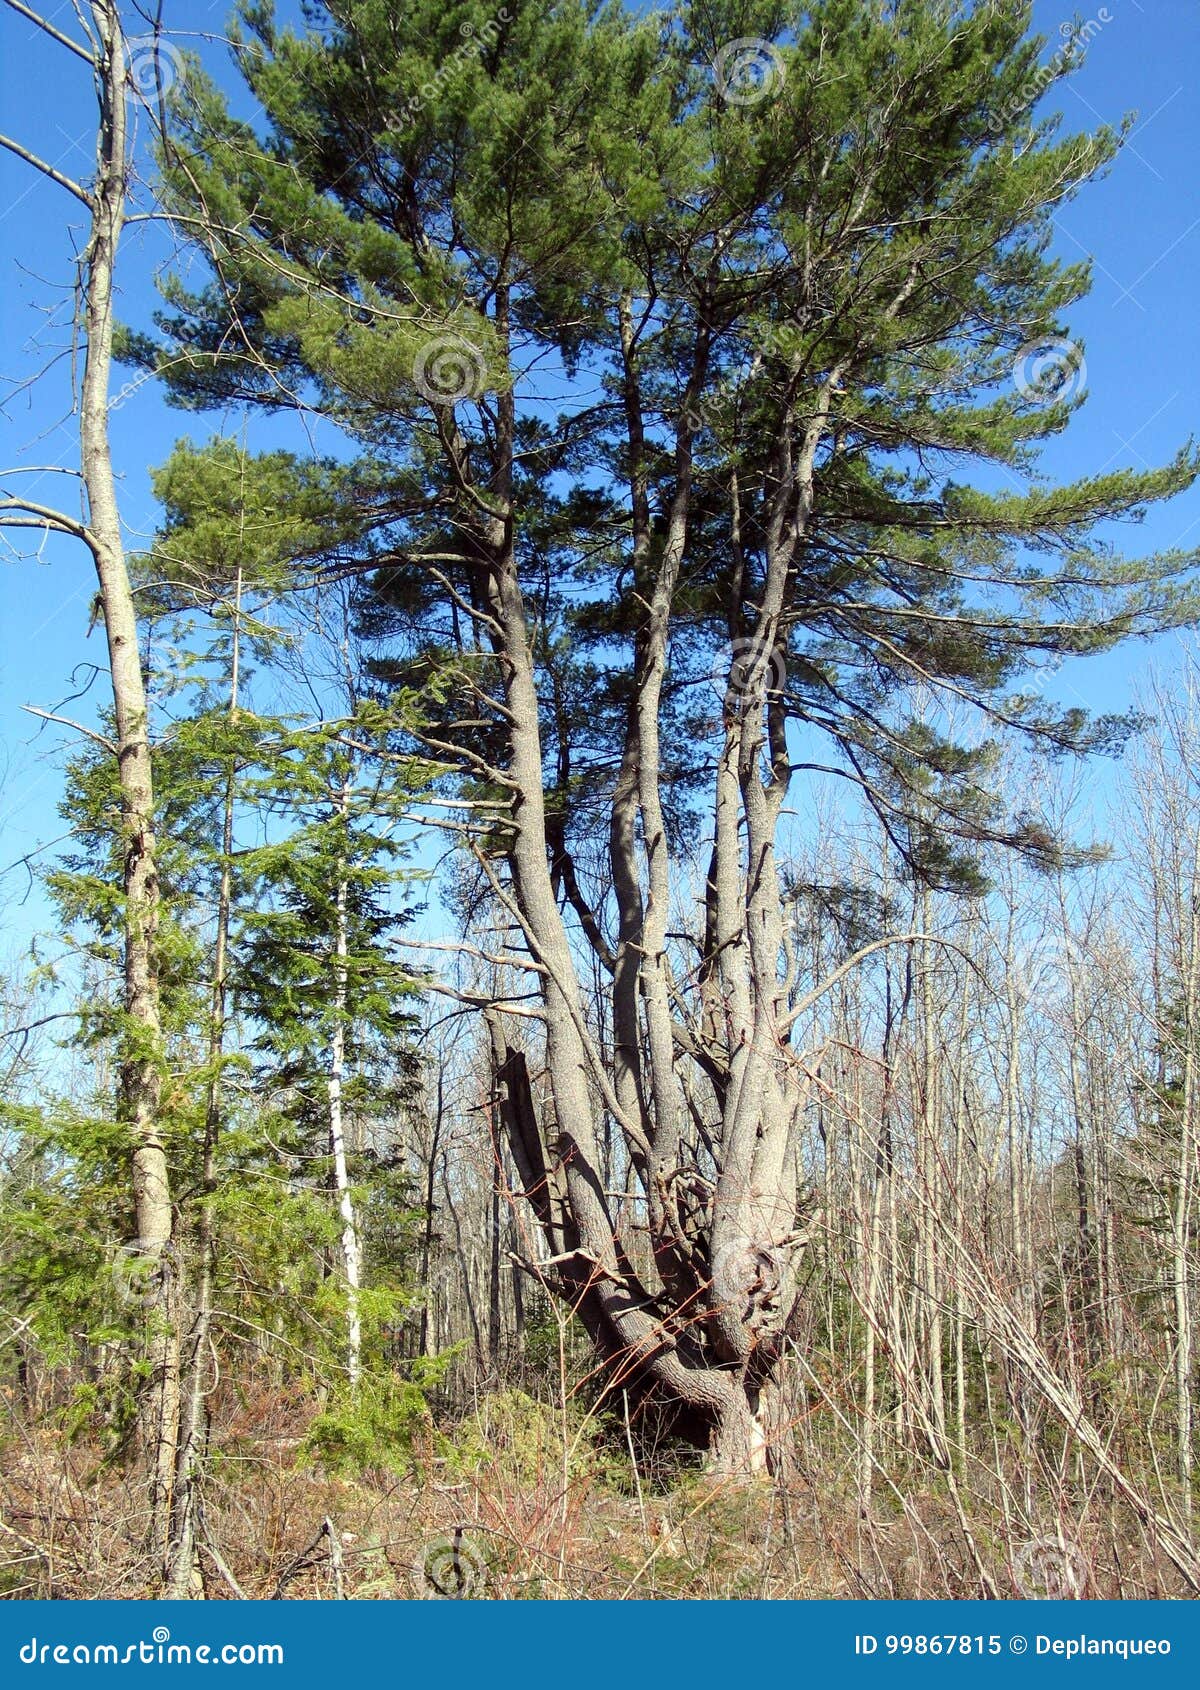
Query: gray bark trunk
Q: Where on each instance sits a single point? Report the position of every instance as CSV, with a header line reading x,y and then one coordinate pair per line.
x,y
351,1249
184,1573
140,1061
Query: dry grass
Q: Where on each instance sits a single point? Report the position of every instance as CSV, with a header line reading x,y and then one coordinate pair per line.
x,y
507,1521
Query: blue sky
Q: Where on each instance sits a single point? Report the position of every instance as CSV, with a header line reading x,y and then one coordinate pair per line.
x,y
1140,328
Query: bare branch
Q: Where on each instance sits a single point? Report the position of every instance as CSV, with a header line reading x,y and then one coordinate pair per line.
x,y
89,733
54,34
851,962
66,182
45,516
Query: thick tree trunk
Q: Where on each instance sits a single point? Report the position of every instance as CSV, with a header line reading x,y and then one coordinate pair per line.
x,y
739,1440
724,1298
753,1435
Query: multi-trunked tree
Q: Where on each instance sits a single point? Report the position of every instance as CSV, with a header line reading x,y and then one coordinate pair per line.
x,y
659,365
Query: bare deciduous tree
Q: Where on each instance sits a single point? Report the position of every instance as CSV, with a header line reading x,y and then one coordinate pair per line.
x,y
105,198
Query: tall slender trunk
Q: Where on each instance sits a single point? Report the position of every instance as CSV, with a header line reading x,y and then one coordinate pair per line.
x,y
871,1214
183,1568
1181,1228
1017,1383
140,1057
351,1249
929,1174
430,1185
495,1324
960,1208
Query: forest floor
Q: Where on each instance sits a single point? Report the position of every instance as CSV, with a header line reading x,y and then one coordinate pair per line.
x,y
514,1511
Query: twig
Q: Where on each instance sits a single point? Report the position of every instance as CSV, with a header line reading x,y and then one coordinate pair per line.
x,y
66,182
335,1558
66,722
218,1560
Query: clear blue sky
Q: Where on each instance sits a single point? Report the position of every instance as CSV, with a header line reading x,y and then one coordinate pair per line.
x,y
1141,329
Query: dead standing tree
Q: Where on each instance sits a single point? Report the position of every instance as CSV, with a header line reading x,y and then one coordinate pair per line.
x,y
105,199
